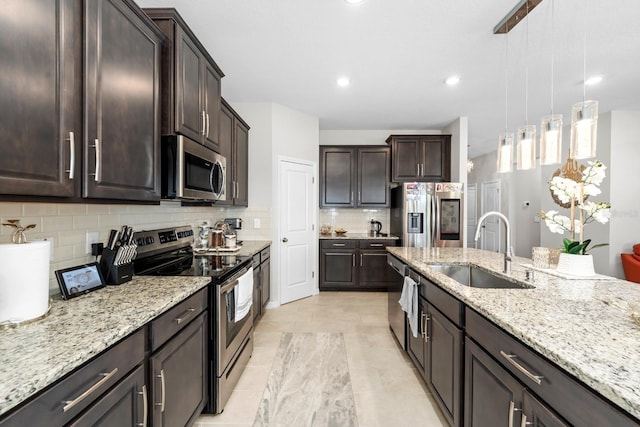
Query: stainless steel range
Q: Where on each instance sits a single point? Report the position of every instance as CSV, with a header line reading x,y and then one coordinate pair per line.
x,y
168,252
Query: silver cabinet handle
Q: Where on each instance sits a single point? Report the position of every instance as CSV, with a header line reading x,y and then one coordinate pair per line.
x,y
423,315
511,359
162,390
184,315
202,115
352,199
426,327
524,422
72,156
359,197
207,125
360,260
144,406
96,145
354,259
285,240
377,245
417,169
338,244
512,410
237,189
105,377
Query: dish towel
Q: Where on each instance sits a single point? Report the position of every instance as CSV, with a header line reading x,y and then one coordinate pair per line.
x,y
409,303
243,295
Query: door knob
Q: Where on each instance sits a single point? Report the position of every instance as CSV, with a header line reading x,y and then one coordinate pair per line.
x,y
285,240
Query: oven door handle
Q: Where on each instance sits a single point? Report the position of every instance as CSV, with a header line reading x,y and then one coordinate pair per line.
x,y
233,281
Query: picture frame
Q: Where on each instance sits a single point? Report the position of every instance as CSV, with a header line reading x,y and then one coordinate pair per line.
x,y
80,280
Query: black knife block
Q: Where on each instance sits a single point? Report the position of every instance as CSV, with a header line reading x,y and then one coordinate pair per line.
x,y
114,274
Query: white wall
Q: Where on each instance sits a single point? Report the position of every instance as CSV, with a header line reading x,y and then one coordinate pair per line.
x,y
276,131
459,131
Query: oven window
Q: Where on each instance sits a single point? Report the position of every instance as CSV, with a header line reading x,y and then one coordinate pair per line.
x,y
233,327
197,173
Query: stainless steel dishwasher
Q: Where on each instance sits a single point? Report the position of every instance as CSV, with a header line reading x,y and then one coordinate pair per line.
x,y
397,322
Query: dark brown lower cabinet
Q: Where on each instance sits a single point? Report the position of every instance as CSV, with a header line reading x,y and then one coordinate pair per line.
x,y
437,354
257,297
537,414
179,376
261,282
124,405
265,278
354,264
492,396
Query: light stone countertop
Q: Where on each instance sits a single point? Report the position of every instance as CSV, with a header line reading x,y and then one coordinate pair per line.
x,y
353,236
583,326
35,355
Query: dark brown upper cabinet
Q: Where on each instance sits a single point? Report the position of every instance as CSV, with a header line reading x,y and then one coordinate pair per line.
x,y
190,82
122,102
41,86
234,146
80,100
354,176
425,158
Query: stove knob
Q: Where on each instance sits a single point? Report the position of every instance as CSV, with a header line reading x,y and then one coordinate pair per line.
x,y
140,241
148,240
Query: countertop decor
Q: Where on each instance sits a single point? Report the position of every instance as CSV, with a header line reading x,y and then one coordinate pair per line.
x,y
583,326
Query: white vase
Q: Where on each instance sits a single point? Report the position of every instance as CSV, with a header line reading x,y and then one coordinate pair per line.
x,y
576,265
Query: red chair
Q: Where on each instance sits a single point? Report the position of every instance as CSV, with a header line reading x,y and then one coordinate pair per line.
x,y
631,264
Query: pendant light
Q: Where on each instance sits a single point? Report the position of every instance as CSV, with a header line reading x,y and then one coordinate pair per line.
x,y
551,125
505,140
526,158
584,115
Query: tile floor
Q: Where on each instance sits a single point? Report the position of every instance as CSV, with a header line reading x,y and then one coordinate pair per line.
x,y
387,389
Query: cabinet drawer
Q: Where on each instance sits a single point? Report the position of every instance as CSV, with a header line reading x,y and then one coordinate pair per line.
x,y
169,323
447,304
256,260
573,401
75,392
338,244
265,254
376,244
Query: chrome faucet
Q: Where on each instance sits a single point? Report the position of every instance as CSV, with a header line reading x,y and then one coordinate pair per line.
x,y
508,253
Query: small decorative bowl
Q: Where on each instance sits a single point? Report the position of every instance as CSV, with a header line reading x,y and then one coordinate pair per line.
x,y
340,231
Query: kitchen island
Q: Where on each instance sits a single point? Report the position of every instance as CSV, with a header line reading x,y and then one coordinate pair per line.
x,y
582,326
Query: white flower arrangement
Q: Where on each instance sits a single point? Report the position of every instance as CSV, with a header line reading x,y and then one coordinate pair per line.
x,y
575,192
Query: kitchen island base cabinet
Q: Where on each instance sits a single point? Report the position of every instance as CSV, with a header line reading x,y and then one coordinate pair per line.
x,y
179,376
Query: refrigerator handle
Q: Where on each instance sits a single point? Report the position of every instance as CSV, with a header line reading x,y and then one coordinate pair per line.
x,y
436,222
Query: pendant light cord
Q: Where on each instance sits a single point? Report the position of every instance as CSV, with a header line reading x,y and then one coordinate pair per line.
x,y
584,56
552,52
506,80
526,71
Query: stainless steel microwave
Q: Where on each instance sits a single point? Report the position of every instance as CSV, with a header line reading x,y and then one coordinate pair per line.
x,y
191,171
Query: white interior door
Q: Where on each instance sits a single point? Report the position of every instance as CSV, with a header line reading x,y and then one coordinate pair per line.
x,y
298,240
491,228
472,214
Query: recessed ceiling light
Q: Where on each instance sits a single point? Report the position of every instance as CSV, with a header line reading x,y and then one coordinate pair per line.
x,y
343,81
354,1
452,81
594,80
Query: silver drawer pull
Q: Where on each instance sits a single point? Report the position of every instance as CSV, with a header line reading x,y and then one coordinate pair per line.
x,y
426,328
105,377
511,359
377,245
337,244
72,156
184,315
423,315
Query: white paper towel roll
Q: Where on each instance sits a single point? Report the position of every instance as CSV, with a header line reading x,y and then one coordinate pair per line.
x,y
24,281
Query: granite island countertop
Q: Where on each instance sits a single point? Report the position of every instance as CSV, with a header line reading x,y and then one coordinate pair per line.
x,y
584,326
35,355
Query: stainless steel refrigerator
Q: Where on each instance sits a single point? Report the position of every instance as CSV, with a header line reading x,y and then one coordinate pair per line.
x,y
428,214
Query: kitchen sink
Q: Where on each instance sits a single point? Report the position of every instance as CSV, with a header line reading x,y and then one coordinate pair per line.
x,y
474,277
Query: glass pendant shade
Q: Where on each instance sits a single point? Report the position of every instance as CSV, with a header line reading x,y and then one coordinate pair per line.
x,y
551,140
505,152
526,147
584,130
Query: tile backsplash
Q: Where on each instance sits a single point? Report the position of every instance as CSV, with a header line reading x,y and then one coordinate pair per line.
x,y
67,225
354,220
